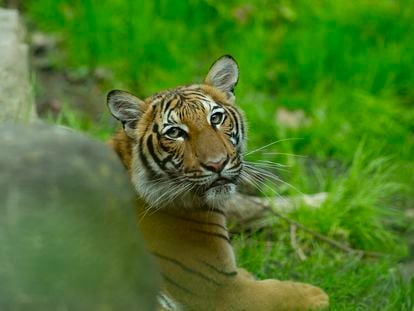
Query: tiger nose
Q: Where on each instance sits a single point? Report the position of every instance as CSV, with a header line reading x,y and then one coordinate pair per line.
x,y
215,166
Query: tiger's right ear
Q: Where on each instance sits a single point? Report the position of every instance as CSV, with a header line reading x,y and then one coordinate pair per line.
x,y
127,108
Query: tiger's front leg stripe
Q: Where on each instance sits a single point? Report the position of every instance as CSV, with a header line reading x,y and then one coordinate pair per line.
x,y
187,269
179,286
222,272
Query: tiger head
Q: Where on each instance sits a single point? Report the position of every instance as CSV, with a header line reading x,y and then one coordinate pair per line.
x,y
187,142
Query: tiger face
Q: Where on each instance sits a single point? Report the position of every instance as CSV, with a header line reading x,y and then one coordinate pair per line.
x,y
187,141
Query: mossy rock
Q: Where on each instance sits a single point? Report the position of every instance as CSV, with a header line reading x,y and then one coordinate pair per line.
x,y
68,231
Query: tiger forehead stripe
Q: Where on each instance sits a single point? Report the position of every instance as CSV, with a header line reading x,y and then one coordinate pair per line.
x,y
177,108
193,93
196,96
167,107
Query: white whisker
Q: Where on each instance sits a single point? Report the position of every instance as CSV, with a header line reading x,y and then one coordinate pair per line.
x,y
271,144
284,153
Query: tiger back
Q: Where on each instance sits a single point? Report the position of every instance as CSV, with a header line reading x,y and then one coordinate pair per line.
x,y
183,149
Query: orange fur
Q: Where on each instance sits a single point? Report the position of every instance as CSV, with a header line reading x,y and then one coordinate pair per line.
x,y
122,145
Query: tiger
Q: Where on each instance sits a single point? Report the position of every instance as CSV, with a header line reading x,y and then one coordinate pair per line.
x,y
183,149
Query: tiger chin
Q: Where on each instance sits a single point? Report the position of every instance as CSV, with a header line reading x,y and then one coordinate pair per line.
x,y
183,149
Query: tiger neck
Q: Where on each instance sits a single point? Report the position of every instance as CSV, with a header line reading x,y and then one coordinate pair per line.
x,y
194,233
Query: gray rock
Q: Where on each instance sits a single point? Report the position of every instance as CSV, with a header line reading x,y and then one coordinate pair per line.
x,y
68,231
16,98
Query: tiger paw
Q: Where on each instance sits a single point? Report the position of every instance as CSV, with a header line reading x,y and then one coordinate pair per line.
x,y
313,298
291,296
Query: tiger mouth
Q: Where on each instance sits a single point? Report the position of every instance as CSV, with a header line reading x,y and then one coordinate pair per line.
x,y
220,182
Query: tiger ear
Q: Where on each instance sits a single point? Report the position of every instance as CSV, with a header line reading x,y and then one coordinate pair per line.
x,y
224,74
127,108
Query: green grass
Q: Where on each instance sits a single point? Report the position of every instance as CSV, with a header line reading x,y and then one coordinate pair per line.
x,y
347,66
351,282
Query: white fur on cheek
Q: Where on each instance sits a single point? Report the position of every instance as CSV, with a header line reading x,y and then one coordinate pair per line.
x,y
149,191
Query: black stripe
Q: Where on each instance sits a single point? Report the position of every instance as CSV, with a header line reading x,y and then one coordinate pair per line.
x,y
165,148
235,136
151,150
153,114
225,273
198,221
198,94
170,110
218,235
235,118
241,122
169,159
164,298
167,106
179,101
155,128
187,269
166,160
212,210
172,282
144,159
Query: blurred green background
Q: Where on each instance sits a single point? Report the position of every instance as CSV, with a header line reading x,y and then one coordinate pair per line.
x,y
333,78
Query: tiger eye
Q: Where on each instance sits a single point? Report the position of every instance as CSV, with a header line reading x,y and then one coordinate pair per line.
x,y
174,132
216,118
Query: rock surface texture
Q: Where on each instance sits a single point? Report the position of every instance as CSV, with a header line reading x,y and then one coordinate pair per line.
x,y
16,99
68,232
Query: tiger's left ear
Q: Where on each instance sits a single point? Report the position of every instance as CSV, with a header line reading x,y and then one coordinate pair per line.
x,y
224,75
